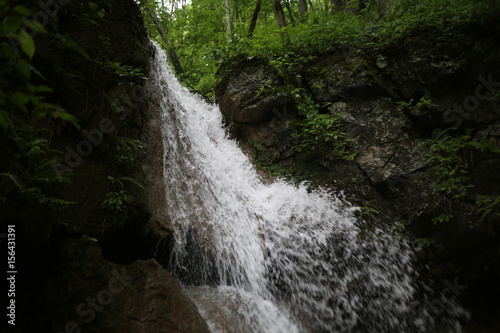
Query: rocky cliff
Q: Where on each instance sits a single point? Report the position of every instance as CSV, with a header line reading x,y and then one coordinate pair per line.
x,y
416,145
88,265
417,132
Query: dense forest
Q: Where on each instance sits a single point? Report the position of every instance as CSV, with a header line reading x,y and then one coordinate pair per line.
x,y
202,35
395,102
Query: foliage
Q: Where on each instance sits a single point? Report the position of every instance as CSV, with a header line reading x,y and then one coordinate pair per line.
x,y
424,103
320,136
91,239
30,171
28,121
116,201
428,241
369,211
128,151
305,104
26,172
120,199
447,155
197,29
398,229
18,93
442,218
488,206
450,170
134,75
495,96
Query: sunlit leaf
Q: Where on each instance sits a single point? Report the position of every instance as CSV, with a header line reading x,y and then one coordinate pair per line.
x,y
27,43
36,26
93,6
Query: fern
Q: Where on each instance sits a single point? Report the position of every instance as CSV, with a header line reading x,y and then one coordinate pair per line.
x,y
13,178
447,164
128,150
26,168
72,45
135,182
55,202
488,206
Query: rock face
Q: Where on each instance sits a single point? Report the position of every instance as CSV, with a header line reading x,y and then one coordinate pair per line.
x,y
154,162
394,104
90,266
248,96
96,295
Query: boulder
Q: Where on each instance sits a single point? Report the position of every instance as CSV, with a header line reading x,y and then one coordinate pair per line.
x,y
252,92
96,295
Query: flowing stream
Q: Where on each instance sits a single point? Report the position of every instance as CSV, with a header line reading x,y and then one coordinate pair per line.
x,y
277,257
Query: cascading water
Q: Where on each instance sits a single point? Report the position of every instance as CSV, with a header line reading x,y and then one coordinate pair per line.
x,y
276,257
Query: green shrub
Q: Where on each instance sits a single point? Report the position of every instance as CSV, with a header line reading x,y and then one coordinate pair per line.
x,y
320,137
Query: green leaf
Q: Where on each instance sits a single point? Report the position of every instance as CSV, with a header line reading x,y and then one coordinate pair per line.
x,y
22,10
20,99
14,179
94,23
92,239
55,201
24,69
11,23
66,116
93,6
44,89
134,181
27,43
36,26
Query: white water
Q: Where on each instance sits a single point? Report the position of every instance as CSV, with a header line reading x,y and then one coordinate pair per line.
x,y
277,257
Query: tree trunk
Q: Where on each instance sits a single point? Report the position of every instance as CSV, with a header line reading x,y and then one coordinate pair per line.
x,y
382,6
279,15
311,6
337,6
170,47
253,22
290,14
352,6
303,9
362,4
229,29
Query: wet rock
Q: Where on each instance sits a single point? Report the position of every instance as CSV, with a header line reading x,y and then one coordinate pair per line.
x,y
252,92
377,132
394,102
153,164
98,296
80,57
344,76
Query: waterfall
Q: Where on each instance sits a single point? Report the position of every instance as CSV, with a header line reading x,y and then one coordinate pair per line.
x,y
277,257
